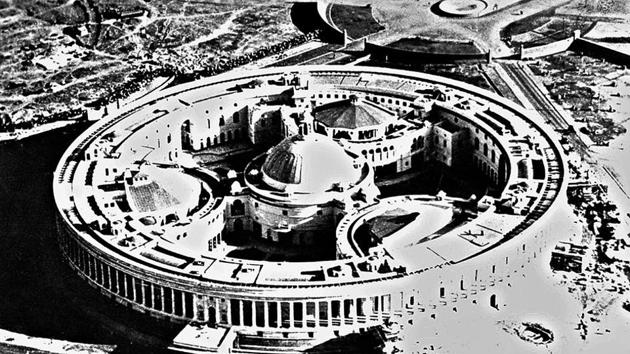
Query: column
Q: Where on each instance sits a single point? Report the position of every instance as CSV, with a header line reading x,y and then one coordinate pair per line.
x,y
114,275
100,270
206,309
144,298
124,280
291,319
240,312
162,298
133,291
109,276
379,307
229,311
353,310
342,311
253,306
78,261
267,321
194,306
329,313
92,268
304,303
86,264
151,295
278,314
88,269
217,312
366,308
317,324
172,299
147,296
183,303
82,260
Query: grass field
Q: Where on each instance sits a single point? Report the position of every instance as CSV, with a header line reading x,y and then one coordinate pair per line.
x,y
102,42
356,20
432,46
543,28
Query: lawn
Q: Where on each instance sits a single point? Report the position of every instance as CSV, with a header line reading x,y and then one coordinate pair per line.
x,y
432,46
357,20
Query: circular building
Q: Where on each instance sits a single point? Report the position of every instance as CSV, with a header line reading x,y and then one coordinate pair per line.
x,y
354,119
462,8
267,212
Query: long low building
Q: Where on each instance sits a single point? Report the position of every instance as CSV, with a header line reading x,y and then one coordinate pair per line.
x,y
156,203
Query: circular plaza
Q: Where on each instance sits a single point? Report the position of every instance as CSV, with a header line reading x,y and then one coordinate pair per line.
x,y
462,8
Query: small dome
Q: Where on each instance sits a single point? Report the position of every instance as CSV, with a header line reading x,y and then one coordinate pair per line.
x,y
309,164
235,188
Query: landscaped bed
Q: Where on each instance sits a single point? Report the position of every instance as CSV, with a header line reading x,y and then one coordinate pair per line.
x,y
542,28
358,21
423,45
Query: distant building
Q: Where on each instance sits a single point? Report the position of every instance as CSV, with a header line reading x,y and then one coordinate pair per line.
x,y
568,257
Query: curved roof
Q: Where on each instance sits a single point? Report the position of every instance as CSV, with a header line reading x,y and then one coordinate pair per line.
x,y
352,113
155,188
308,163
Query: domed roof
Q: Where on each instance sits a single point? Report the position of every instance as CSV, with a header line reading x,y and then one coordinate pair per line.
x,y
352,113
154,188
311,163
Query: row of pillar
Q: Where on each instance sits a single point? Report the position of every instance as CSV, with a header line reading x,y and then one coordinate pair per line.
x,y
262,314
209,309
131,288
292,314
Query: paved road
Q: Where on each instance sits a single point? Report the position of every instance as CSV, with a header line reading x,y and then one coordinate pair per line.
x,y
498,83
535,96
308,56
543,105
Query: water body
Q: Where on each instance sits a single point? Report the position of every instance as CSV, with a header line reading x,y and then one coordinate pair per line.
x,y
40,295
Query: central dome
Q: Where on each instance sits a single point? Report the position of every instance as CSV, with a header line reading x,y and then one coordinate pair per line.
x,y
309,164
